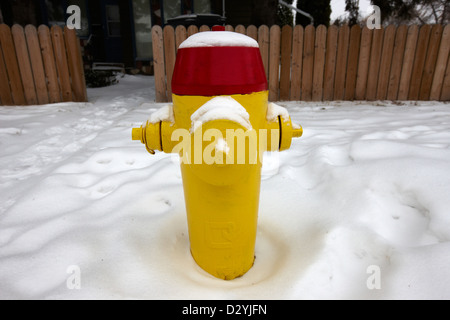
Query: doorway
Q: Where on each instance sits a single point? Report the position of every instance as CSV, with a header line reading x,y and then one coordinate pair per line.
x,y
112,31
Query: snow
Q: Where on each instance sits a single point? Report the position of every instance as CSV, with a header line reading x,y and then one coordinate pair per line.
x,y
274,111
364,189
221,108
165,113
218,39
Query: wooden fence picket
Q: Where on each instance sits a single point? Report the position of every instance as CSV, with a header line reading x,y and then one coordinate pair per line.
x,y
419,62
169,53
341,62
430,62
274,62
445,94
374,65
180,35
23,60
308,63
319,62
408,61
285,69
61,62
252,32
385,62
330,63
190,30
75,65
240,29
158,63
263,42
352,62
397,61
297,59
48,58
12,67
441,63
6,97
37,65
363,63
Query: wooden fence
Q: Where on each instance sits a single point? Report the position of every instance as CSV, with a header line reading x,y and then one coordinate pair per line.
x,y
40,66
335,63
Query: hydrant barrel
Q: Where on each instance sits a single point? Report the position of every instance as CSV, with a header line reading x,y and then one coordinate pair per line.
x,y
214,72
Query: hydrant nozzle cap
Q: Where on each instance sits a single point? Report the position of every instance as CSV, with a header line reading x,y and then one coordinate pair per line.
x,y
136,134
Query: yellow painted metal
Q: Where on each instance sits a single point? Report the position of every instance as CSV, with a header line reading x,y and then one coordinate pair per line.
x,y
221,185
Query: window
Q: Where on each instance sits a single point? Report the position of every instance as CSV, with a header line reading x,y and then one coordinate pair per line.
x,y
202,6
172,9
55,11
113,20
142,28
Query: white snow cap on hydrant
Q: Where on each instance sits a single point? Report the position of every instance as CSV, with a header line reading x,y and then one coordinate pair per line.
x,y
221,108
218,39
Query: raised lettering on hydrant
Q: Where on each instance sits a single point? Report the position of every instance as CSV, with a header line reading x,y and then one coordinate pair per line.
x,y
220,124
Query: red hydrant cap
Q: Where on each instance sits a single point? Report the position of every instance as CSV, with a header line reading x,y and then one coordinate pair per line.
x,y
218,63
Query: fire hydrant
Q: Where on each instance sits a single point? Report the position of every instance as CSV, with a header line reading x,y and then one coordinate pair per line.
x,y
220,124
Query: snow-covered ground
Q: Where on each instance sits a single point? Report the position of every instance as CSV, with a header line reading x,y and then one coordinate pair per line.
x,y
359,208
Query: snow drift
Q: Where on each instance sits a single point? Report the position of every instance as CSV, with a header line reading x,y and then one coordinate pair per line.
x,y
367,185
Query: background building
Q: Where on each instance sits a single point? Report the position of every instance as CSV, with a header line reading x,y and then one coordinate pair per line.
x,y
119,30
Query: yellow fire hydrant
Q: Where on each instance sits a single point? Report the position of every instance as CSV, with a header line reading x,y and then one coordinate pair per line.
x,y
220,124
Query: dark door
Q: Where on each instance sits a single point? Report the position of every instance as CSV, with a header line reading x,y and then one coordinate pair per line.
x,y
111,29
